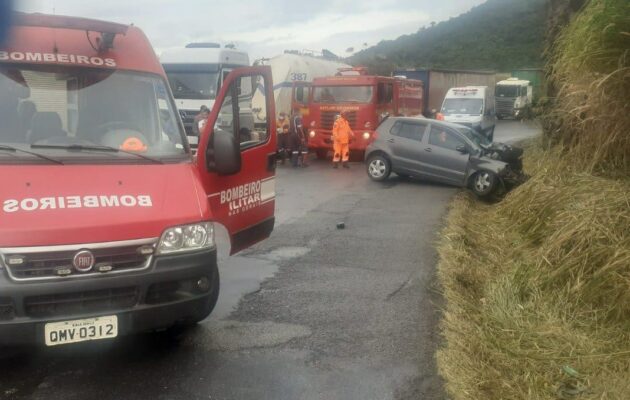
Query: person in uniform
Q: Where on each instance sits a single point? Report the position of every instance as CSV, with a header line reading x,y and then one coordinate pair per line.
x,y
342,133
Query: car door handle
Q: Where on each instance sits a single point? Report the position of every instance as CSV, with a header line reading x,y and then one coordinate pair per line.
x,y
391,140
428,149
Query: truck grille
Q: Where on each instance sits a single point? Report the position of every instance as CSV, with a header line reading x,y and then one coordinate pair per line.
x,y
81,302
505,106
58,264
328,119
7,311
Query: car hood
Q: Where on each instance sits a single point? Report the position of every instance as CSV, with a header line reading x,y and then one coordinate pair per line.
x,y
55,205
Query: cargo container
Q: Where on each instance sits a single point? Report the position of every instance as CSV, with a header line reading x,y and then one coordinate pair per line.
x,y
437,82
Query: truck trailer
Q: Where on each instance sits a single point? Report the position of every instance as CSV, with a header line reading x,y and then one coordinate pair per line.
x,y
292,77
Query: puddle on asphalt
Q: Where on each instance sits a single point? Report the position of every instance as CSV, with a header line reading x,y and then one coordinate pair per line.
x,y
285,253
235,335
240,276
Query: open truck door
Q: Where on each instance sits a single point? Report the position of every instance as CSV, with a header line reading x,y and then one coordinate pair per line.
x,y
236,158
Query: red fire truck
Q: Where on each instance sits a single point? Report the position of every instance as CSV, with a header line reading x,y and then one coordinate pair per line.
x,y
106,219
368,99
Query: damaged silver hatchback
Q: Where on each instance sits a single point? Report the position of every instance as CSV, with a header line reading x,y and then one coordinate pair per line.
x,y
443,152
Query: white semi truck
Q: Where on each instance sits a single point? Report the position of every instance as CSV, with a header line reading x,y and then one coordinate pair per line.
x,y
292,78
195,74
513,96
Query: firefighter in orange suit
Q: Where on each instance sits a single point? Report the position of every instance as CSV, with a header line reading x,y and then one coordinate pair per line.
x,y
341,140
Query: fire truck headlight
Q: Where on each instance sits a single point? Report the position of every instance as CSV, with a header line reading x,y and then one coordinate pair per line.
x,y
185,238
313,124
366,135
311,134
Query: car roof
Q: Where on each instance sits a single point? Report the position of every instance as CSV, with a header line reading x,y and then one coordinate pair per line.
x,y
426,120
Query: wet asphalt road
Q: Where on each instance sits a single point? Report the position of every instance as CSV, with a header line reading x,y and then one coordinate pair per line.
x,y
311,313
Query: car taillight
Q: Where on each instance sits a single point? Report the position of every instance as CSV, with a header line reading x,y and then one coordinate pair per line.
x,y
439,117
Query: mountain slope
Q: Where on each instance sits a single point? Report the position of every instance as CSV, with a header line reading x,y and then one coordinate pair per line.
x,y
498,35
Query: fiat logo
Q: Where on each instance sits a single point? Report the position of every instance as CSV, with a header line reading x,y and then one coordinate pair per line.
x,y
83,261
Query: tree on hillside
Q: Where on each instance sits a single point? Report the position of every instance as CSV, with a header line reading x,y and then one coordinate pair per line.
x,y
498,35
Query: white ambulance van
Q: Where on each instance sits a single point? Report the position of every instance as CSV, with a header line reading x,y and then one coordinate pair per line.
x,y
471,106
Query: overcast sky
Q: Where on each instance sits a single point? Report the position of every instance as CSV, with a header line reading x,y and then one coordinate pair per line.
x,y
264,27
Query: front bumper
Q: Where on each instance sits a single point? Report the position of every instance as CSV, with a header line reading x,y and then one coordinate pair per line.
x,y
161,296
512,178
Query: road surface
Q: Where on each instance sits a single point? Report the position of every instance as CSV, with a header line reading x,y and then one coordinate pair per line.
x,y
312,313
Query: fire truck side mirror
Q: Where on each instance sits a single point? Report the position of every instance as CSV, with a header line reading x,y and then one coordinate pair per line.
x,y
223,156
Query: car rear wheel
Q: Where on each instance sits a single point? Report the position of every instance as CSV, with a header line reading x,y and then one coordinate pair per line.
x,y
484,183
378,168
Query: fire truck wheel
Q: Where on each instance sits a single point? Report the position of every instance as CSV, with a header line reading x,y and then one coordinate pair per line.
x,y
378,168
322,154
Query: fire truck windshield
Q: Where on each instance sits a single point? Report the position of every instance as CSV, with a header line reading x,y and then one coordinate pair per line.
x,y
55,108
342,94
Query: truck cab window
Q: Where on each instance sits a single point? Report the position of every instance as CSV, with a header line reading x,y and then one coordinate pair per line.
x,y
385,93
299,95
237,115
192,83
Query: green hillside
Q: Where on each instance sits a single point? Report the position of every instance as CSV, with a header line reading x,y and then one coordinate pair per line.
x,y
498,35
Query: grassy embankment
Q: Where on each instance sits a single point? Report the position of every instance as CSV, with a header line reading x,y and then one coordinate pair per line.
x,y
538,286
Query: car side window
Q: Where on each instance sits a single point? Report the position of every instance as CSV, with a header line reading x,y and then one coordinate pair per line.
x,y
408,130
444,138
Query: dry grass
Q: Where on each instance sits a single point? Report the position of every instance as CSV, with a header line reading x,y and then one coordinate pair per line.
x,y
537,283
590,66
538,286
